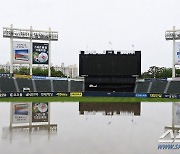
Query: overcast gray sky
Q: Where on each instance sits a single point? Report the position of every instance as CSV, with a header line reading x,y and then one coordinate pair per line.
x,y
91,24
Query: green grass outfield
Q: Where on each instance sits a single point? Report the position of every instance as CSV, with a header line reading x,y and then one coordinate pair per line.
x,y
86,99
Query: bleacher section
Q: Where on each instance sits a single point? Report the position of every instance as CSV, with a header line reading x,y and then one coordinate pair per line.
x,y
7,84
24,83
17,85
43,85
60,85
158,87
174,87
76,86
142,87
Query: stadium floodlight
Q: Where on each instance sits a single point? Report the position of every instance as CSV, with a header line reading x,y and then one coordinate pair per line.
x,y
173,35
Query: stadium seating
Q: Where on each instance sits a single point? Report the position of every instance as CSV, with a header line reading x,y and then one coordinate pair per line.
x,y
24,83
7,84
174,87
43,85
60,85
142,87
158,87
76,85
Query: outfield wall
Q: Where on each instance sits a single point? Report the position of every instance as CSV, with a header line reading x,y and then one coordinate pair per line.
x,y
88,94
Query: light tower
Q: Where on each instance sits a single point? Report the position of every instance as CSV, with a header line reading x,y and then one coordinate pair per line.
x,y
174,35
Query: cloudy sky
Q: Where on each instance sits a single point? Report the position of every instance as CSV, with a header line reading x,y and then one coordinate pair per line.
x,y
92,24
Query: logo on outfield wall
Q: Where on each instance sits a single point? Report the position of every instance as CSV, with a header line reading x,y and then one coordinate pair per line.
x,y
76,94
155,95
141,95
62,94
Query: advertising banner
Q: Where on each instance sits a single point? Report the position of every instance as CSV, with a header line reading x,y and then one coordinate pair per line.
x,y
155,95
6,75
20,113
176,113
22,76
76,94
28,34
21,52
39,112
177,53
141,95
40,53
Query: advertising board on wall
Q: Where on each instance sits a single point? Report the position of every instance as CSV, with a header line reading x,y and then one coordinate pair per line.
x,y
39,112
6,75
76,94
177,53
30,34
20,113
40,53
21,52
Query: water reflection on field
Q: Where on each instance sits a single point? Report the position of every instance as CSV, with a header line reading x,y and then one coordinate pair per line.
x,y
87,128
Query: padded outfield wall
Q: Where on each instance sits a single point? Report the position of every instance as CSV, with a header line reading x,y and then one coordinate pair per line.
x,y
88,94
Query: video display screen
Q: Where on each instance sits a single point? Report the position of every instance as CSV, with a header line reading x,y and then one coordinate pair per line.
x,y
110,64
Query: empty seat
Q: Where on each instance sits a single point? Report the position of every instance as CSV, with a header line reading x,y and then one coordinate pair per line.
x,y
174,87
43,85
7,84
76,85
24,83
142,87
60,85
158,86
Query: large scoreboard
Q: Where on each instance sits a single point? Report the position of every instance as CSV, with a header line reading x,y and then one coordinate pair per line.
x,y
110,64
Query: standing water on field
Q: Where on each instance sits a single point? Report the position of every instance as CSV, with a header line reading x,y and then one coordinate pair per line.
x,y
89,128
